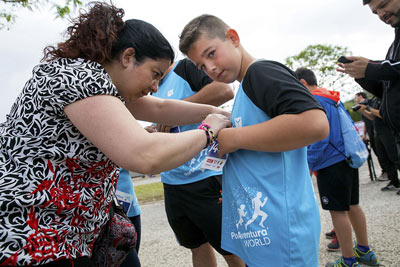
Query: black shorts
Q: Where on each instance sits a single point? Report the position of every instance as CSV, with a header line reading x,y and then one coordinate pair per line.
x,y
194,212
338,186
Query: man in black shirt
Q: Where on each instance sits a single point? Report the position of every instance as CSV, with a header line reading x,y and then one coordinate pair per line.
x,y
381,78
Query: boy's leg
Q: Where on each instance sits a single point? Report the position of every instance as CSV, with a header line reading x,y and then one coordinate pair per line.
x,y
343,230
335,185
359,223
194,212
204,256
234,261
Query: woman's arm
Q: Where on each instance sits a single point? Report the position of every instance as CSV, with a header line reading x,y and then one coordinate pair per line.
x,y
282,133
171,112
106,122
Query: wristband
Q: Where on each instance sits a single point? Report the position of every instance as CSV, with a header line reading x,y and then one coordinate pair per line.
x,y
367,108
209,133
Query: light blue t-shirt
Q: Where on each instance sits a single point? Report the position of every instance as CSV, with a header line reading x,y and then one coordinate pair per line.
x,y
270,215
175,86
125,185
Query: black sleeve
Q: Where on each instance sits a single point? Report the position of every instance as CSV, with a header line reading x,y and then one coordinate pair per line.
x,y
373,86
275,89
196,78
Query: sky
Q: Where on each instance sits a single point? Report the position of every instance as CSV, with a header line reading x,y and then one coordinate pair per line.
x,y
268,29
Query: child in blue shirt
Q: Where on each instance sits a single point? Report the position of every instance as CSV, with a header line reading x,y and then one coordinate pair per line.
x,y
270,213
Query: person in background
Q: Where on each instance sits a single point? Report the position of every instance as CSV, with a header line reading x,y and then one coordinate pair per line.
x,y
380,77
266,175
192,194
125,185
338,183
75,124
384,140
369,131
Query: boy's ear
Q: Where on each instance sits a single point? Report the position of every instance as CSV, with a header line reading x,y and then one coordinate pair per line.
x,y
304,82
127,57
232,35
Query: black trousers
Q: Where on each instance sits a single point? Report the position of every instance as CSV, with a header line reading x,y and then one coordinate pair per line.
x,y
387,150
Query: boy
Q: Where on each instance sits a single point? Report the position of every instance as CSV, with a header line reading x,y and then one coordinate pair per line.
x,y
338,183
274,117
192,195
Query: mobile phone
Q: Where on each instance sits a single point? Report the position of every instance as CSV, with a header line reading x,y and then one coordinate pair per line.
x,y
344,60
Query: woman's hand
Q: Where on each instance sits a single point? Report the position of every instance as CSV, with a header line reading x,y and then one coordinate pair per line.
x,y
217,122
221,111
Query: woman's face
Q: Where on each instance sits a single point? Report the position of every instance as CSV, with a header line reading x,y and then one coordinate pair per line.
x,y
140,79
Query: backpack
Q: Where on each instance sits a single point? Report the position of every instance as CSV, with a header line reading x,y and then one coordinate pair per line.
x,y
355,151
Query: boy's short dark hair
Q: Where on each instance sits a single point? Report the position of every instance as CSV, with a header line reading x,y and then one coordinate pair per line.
x,y
306,74
362,94
205,24
366,2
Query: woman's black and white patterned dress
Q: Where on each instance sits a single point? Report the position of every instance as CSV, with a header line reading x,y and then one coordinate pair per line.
x,y
55,186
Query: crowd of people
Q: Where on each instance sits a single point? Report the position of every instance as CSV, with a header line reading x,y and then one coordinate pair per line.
x,y
73,134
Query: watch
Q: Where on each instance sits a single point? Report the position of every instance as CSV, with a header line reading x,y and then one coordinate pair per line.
x,y
367,108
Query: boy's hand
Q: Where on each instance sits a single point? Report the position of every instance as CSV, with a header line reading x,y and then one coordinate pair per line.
x,y
164,128
151,128
224,143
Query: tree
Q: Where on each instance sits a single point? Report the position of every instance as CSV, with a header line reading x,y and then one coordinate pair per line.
x,y
7,14
322,60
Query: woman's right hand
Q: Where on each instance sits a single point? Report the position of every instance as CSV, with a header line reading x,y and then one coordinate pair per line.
x,y
217,122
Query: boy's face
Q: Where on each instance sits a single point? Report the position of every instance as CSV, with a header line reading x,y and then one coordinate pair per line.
x,y
387,10
220,59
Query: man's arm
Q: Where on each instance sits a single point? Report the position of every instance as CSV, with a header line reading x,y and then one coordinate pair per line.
x,y
370,74
214,93
370,112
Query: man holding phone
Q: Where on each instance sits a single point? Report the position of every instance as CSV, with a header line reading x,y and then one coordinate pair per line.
x,y
381,78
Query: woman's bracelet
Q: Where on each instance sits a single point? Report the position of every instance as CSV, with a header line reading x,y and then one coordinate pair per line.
x,y
209,133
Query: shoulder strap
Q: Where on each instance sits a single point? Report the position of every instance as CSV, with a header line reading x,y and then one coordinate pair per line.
x,y
341,152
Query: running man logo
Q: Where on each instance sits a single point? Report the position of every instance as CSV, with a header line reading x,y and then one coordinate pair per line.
x,y
254,237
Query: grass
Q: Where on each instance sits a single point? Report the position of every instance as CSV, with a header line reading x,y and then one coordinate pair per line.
x,y
149,192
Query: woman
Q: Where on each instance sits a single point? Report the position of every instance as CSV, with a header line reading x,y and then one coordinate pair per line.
x,y
69,131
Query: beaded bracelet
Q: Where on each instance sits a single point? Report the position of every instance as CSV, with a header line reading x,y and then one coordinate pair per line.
x,y
209,133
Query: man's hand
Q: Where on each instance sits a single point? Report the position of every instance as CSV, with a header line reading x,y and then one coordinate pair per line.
x,y
355,69
362,107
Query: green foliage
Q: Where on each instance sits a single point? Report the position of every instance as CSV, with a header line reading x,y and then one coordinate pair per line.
x,y
8,17
356,116
322,60
149,192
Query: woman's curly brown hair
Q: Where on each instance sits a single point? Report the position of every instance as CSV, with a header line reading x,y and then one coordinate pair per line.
x,y
91,35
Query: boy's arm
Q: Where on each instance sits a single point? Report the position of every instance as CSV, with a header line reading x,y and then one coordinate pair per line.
x,y
282,133
214,93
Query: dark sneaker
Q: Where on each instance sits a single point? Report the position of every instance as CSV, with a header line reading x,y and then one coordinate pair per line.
x,y
340,263
383,177
330,235
367,258
333,246
398,192
390,187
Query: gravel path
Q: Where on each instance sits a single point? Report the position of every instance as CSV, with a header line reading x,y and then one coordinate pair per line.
x,y
160,249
